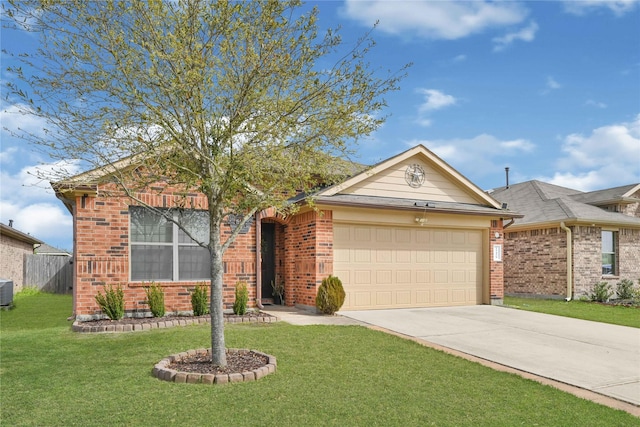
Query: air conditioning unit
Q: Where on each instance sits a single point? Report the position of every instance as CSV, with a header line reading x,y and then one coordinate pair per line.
x,y
6,292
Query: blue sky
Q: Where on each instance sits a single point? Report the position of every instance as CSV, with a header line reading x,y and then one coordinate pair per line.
x,y
550,89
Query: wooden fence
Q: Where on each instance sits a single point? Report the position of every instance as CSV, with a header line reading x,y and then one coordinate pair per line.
x,y
50,273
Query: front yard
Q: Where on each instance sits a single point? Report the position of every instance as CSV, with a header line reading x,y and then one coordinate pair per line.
x,y
327,375
614,314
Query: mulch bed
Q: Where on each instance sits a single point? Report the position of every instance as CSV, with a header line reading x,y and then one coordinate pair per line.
x,y
129,324
147,320
236,362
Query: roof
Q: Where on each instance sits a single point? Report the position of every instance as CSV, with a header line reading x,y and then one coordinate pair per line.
x,y
542,203
45,249
409,204
623,194
11,232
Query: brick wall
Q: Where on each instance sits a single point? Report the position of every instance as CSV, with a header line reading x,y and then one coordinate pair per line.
x,y
308,256
12,253
496,268
101,233
536,262
587,259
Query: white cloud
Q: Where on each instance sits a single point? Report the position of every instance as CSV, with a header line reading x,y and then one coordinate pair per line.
x,y
582,7
526,34
551,84
27,198
435,19
479,156
597,104
608,157
435,100
15,117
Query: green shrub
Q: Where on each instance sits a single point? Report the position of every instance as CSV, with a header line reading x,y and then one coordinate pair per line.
x,y
112,302
601,292
28,291
155,299
242,298
199,300
624,289
330,295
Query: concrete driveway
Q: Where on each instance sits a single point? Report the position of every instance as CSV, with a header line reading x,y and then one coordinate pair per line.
x,y
594,356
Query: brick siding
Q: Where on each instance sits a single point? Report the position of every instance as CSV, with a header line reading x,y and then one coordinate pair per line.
x,y
536,261
308,256
12,253
496,268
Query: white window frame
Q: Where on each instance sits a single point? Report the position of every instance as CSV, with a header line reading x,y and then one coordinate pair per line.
x,y
175,245
614,253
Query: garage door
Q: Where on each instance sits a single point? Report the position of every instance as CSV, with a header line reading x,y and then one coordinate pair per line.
x,y
391,267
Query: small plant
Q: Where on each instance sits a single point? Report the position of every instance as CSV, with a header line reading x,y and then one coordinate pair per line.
x,y
601,292
199,300
155,299
112,302
242,297
624,289
330,295
278,290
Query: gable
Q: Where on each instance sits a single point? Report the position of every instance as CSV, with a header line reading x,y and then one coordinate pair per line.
x,y
392,178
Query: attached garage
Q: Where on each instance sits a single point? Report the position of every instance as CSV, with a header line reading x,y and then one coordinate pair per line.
x,y
413,232
392,267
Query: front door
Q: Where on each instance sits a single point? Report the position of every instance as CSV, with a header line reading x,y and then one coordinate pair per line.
x,y
268,250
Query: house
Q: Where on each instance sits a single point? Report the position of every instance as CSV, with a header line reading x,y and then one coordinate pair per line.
x,y
409,232
569,240
14,244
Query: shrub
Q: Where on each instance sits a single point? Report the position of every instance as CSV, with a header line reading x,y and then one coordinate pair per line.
x,y
199,300
112,302
624,289
330,295
155,299
601,292
242,298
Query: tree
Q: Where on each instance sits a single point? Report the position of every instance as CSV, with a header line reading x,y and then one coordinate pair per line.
x,y
242,101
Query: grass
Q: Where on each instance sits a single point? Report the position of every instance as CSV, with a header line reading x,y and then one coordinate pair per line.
x,y
327,375
614,314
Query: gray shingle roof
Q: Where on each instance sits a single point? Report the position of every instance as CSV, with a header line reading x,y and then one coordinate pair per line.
x,y
543,203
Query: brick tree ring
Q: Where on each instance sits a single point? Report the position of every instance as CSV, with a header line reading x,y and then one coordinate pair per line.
x,y
194,367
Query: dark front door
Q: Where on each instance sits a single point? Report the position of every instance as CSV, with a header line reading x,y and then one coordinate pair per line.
x,y
268,250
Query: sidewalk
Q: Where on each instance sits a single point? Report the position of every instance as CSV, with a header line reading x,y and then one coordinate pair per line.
x,y
303,317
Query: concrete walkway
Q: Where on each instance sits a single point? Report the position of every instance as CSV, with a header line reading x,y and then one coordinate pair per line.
x,y
593,360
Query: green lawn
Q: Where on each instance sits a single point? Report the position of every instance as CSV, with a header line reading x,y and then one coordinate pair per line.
x,y
327,375
617,315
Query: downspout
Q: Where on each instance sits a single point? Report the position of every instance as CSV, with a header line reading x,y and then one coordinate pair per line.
x,y
259,260
569,261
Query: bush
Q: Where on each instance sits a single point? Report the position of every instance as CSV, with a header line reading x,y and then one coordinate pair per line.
x,y
330,295
624,289
199,300
601,292
242,298
155,299
112,302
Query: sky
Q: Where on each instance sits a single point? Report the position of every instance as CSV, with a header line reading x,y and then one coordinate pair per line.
x,y
550,89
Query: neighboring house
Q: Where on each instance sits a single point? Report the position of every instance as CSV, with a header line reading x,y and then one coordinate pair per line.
x,y
602,228
14,245
408,232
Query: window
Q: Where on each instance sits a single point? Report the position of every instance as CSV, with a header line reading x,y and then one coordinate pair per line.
x,y
609,239
160,250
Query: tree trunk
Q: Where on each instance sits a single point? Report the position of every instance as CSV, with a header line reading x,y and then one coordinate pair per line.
x,y
218,349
